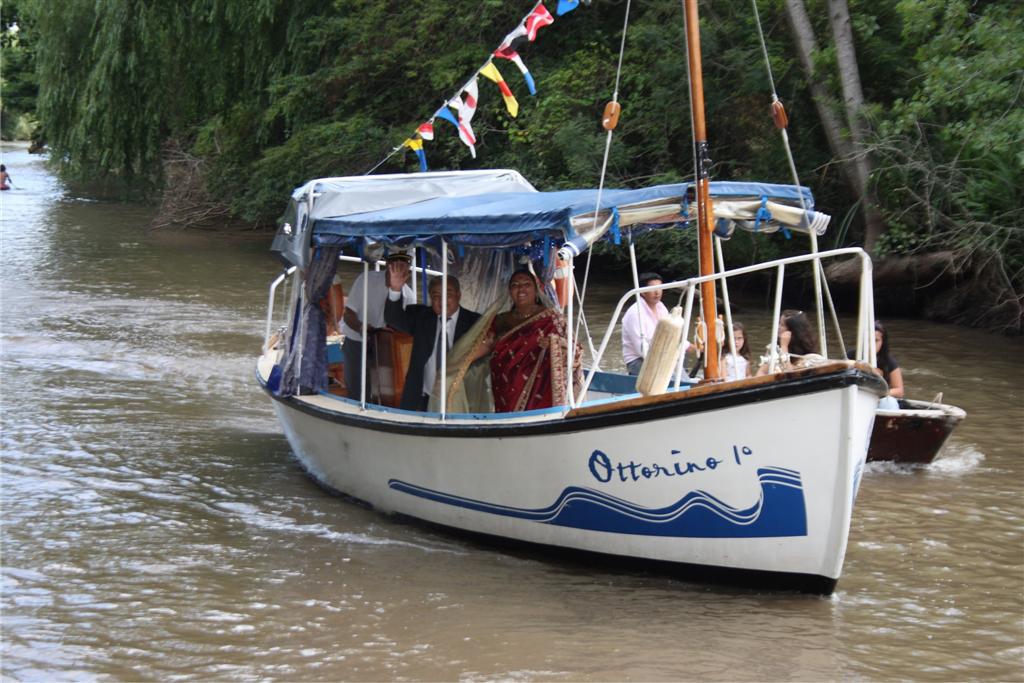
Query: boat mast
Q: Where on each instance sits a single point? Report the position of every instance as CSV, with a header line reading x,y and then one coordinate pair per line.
x,y
705,216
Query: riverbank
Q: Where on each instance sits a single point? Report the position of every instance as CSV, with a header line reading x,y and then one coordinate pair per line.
x,y
946,287
971,291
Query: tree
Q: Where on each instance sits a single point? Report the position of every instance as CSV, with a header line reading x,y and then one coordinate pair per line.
x,y
846,137
951,160
18,86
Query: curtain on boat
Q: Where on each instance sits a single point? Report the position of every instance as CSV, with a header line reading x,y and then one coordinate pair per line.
x,y
304,370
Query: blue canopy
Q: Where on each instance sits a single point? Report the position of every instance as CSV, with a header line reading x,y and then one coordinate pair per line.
x,y
514,218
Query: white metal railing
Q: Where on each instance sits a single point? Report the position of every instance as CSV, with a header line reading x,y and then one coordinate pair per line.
x,y
865,347
270,304
271,298
865,311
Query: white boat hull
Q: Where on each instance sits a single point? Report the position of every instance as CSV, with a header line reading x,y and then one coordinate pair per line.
x,y
757,479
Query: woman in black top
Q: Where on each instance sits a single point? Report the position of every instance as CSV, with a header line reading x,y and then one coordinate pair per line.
x,y
888,368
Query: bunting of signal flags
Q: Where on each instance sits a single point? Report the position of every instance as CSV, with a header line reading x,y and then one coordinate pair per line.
x,y
416,145
459,109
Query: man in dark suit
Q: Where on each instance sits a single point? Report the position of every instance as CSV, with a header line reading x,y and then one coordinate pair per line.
x,y
424,324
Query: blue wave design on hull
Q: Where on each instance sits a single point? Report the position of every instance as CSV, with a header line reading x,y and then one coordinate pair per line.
x,y
780,510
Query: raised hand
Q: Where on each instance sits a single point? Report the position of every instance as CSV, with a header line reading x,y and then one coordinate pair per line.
x,y
397,274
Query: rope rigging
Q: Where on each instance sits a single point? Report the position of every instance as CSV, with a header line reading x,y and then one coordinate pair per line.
x,y
781,122
609,121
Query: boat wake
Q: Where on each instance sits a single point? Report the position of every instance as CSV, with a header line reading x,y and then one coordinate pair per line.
x,y
958,459
253,516
955,459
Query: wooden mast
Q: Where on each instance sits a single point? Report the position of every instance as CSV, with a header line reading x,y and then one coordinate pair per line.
x,y
705,215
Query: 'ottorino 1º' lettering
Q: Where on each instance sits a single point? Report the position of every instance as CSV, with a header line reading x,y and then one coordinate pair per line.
x,y
603,469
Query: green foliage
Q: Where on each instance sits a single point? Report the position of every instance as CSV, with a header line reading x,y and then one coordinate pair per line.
x,y
18,87
953,160
100,91
269,93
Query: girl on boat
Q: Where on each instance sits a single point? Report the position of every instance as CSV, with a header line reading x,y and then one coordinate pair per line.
x,y
738,366
888,368
798,343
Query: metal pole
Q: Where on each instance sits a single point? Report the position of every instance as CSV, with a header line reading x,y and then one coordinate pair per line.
x,y
444,328
415,291
270,306
362,369
819,307
636,285
728,307
570,347
682,343
423,276
773,357
302,332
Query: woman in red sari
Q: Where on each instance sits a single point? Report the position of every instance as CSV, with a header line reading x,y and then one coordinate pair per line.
x,y
528,351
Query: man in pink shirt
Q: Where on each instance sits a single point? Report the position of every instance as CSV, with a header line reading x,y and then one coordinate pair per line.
x,y
639,322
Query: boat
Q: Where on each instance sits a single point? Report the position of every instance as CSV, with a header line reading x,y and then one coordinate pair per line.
x,y
750,481
915,433
754,478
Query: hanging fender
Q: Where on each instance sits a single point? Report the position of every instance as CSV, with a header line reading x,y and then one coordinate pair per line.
x,y
562,282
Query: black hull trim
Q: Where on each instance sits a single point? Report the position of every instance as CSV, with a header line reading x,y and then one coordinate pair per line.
x,y
588,561
627,415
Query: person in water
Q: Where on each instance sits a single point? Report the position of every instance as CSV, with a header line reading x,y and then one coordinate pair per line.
x,y
737,367
5,178
888,368
798,342
527,347
639,323
424,324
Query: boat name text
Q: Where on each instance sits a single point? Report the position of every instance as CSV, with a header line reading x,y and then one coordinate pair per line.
x,y
605,469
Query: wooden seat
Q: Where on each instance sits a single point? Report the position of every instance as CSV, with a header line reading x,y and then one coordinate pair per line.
x,y
394,350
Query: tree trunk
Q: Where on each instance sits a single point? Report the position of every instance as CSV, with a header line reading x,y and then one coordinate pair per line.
x,y
849,73
853,161
853,98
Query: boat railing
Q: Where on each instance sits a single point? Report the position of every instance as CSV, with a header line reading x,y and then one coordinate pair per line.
x,y
865,350
284,277
270,305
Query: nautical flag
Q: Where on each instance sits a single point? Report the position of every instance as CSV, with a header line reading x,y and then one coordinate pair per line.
x,y
446,114
490,71
536,20
507,50
566,6
514,57
426,130
465,105
512,38
417,146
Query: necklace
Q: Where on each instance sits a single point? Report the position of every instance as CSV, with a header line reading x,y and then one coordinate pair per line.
x,y
524,316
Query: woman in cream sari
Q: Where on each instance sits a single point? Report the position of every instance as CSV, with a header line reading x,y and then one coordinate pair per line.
x,y
520,352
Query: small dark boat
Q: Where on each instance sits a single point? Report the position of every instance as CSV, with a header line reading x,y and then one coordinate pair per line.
x,y
913,434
